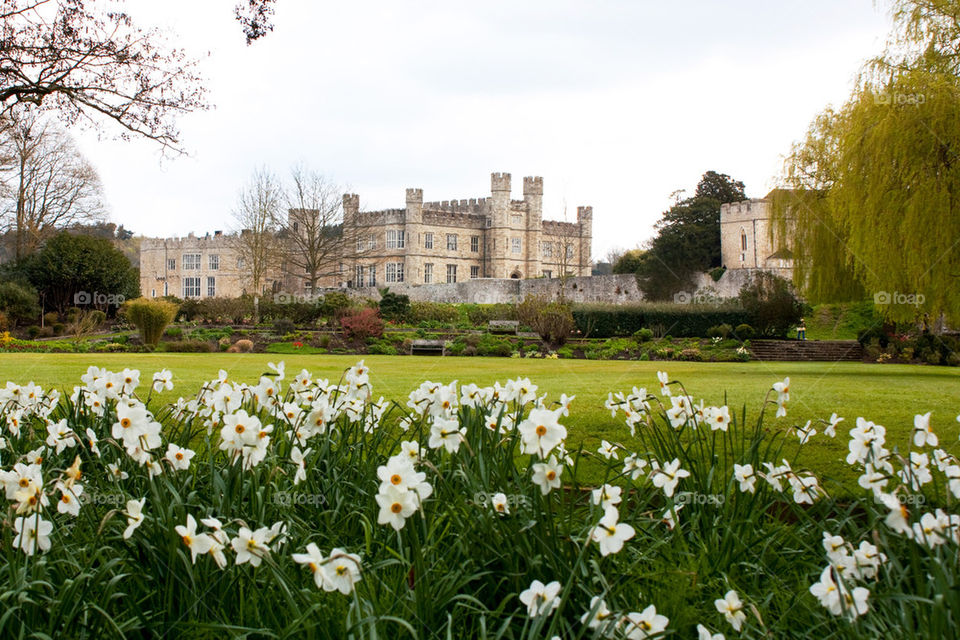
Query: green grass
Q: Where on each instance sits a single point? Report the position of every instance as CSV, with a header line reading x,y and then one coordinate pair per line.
x,y
841,321
887,394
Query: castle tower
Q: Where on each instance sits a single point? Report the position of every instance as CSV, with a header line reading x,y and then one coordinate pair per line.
x,y
585,221
413,230
533,198
499,226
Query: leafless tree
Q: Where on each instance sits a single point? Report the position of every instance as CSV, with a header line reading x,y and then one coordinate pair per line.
x,y
313,233
48,184
257,215
94,66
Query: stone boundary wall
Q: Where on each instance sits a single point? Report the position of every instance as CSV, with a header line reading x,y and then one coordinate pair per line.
x,y
617,289
611,289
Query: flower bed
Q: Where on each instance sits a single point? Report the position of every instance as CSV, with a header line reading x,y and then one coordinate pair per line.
x,y
287,507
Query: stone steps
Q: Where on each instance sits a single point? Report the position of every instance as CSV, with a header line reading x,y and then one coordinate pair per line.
x,y
807,350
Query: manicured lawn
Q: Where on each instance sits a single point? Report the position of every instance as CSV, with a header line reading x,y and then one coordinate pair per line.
x,y
887,394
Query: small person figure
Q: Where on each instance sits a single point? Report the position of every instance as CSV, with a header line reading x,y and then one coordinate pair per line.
x,y
801,330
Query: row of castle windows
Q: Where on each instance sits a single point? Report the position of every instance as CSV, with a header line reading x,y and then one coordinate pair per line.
x,y
192,262
366,275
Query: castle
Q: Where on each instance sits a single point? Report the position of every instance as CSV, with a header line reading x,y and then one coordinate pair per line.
x,y
423,243
750,240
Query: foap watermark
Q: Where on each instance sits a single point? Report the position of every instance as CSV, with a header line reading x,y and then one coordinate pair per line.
x,y
287,499
885,298
696,297
485,499
97,299
914,500
900,99
692,497
283,297
102,498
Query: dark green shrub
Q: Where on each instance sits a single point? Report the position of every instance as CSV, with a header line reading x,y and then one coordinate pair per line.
x,y
150,317
643,335
283,326
394,306
682,320
33,331
770,301
51,318
720,331
59,328
446,314
744,332
173,332
334,303
19,302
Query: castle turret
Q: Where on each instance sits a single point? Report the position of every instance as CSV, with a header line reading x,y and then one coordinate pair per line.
x,y
533,198
585,221
413,230
499,212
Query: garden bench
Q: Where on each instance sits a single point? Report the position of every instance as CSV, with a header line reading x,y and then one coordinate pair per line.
x,y
428,347
503,326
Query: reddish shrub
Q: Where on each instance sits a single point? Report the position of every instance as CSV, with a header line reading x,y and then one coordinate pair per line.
x,y
362,324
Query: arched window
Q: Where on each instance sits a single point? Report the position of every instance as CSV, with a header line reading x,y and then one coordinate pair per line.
x,y
743,240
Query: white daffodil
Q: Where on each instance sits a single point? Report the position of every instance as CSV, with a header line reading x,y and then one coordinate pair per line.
x,y
396,505
607,496
499,504
341,571
546,475
198,543
541,599
446,433
608,450
314,561
633,466
732,609
162,379
718,418
704,634
669,517
134,514
872,479
835,597
899,517
922,434
69,501
831,428
745,475
610,534
806,432
178,457
664,380
299,459
251,546
668,477
33,534
647,623
598,615
541,432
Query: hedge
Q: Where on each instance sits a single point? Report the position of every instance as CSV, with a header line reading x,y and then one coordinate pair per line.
x,y
681,321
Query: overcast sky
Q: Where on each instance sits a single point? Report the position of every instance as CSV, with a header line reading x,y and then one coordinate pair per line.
x,y
616,103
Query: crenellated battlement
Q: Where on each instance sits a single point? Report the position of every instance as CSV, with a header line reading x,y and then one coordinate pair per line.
x,y
414,195
500,182
450,219
468,205
533,186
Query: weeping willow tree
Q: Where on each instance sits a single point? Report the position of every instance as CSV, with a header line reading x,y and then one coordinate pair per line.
x,y
873,190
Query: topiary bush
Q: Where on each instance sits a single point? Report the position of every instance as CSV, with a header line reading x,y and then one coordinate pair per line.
x,y
150,317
